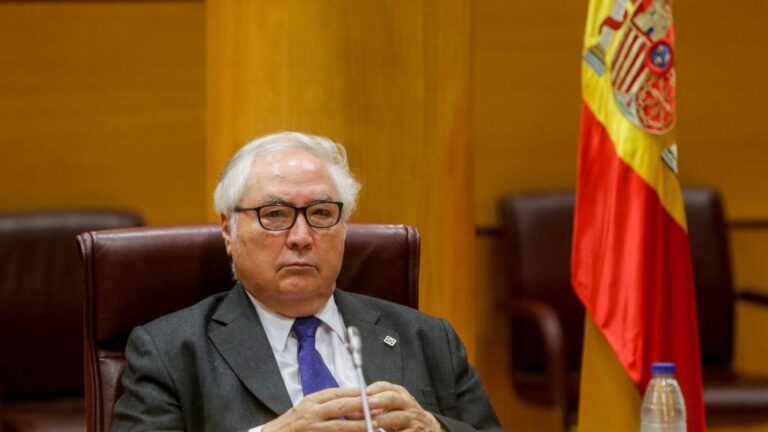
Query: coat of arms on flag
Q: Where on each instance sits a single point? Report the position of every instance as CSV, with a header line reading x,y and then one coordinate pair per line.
x,y
641,63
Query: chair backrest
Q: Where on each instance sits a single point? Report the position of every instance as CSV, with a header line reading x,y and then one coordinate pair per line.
x,y
135,275
710,253
538,231
41,300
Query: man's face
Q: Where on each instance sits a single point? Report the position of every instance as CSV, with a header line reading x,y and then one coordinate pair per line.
x,y
292,272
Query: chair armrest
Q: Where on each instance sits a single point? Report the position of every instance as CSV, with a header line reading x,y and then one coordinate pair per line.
x,y
549,327
752,296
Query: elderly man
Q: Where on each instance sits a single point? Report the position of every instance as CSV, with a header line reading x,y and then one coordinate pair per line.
x,y
270,354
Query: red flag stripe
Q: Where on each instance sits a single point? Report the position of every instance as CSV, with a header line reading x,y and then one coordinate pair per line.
x,y
631,268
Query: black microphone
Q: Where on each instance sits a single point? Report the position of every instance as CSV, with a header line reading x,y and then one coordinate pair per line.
x,y
355,349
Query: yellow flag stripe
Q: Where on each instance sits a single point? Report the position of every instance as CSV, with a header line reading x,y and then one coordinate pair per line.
x,y
636,147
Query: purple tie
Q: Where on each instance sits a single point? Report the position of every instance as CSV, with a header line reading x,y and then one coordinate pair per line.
x,y
315,375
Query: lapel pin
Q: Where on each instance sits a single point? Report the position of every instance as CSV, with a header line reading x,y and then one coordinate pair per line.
x,y
389,340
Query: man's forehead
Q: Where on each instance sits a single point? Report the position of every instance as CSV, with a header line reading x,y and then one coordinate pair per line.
x,y
288,157
290,175
289,165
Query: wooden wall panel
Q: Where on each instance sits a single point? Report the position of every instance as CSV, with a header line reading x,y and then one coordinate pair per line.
x,y
527,101
722,88
390,80
101,105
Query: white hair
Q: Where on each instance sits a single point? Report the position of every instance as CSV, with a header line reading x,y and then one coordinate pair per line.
x,y
233,180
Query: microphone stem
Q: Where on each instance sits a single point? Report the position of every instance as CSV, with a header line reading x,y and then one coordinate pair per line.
x,y
364,394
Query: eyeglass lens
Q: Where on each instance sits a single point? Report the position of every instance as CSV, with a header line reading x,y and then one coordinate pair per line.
x,y
319,215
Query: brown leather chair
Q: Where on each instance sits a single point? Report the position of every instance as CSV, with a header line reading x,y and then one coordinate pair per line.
x,y
41,317
135,275
546,318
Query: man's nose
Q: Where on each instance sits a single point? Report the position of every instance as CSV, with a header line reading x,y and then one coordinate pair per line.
x,y
300,234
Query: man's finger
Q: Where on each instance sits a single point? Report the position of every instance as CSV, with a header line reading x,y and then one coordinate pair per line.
x,y
333,393
336,408
380,386
394,420
360,415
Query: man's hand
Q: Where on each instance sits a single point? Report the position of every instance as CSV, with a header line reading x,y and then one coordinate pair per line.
x,y
322,411
394,409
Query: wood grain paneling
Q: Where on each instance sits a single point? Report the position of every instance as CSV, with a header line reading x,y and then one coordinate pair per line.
x,y
390,80
722,89
527,101
101,105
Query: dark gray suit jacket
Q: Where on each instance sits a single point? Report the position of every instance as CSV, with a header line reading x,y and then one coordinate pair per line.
x,y
210,367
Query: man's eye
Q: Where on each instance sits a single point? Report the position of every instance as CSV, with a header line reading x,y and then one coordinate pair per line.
x,y
273,213
321,212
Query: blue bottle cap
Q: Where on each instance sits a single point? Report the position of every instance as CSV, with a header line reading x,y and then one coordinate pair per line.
x,y
666,368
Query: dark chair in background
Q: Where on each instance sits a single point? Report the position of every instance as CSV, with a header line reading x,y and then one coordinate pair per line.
x,y
547,318
41,317
135,275
730,397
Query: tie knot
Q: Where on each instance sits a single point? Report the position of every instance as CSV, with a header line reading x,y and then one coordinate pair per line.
x,y
305,327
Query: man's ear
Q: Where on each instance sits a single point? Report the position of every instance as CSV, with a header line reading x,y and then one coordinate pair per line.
x,y
226,232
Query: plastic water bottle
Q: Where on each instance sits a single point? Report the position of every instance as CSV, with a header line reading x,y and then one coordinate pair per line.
x,y
663,404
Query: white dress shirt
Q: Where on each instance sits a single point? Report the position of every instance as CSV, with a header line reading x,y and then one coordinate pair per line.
x,y
330,342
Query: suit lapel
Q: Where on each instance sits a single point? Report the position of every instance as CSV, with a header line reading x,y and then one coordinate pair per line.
x,y
381,362
241,340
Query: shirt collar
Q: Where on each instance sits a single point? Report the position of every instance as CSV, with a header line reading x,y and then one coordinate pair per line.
x,y
278,327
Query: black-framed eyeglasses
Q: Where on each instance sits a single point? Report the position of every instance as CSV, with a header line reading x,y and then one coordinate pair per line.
x,y
279,217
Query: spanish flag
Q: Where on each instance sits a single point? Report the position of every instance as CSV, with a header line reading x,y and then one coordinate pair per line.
x,y
631,264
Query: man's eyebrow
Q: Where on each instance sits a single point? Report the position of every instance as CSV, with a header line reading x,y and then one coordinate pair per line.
x,y
273,200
